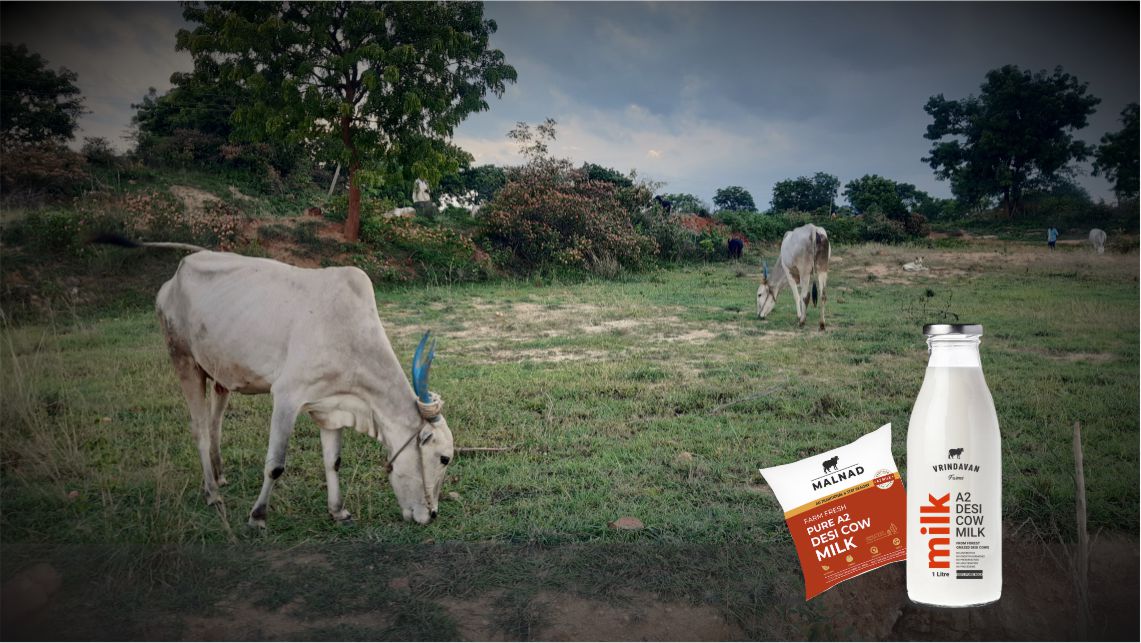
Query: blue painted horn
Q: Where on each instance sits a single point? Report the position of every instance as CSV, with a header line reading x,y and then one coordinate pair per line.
x,y
765,269
420,365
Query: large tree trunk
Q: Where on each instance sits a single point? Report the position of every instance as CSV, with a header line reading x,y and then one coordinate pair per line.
x,y
353,220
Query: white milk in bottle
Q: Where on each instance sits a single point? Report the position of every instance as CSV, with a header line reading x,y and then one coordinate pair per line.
x,y
954,477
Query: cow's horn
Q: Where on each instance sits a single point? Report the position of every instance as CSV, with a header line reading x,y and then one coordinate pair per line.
x,y
421,363
765,269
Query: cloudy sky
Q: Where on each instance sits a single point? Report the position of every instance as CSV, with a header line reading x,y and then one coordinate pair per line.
x,y
697,95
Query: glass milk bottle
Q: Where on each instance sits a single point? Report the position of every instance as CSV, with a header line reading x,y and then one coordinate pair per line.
x,y
954,477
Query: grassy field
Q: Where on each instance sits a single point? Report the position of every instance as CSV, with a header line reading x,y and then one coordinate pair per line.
x,y
656,397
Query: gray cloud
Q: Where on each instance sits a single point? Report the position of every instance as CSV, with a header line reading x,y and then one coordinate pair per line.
x,y
701,95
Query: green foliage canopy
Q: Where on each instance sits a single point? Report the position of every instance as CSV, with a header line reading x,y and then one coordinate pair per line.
x,y
688,203
1018,131
734,197
806,194
36,104
1117,157
378,86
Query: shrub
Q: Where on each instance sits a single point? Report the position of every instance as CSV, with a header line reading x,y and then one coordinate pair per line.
x,y
879,228
435,253
550,216
46,168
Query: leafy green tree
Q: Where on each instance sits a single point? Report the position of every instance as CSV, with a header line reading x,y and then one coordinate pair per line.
x,y
36,104
734,198
684,202
806,194
596,172
1117,156
874,191
1017,132
378,86
485,180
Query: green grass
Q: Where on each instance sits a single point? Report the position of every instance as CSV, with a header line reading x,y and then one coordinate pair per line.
x,y
600,387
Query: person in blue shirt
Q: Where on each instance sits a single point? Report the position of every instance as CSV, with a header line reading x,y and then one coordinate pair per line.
x,y
1052,236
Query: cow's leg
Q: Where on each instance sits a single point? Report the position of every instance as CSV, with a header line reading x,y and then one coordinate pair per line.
x,y
801,312
331,449
281,427
217,410
193,381
822,282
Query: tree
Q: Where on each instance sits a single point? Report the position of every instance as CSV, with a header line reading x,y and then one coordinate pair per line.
x,y
806,194
1117,158
1017,132
874,191
735,198
36,104
610,175
378,86
688,203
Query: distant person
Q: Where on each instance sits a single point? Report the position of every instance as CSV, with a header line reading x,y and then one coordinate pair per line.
x,y
1052,237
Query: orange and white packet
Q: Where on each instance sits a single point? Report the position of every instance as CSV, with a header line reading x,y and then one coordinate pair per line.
x,y
846,510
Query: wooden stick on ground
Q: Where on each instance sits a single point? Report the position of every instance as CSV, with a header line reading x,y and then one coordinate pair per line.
x,y
1081,560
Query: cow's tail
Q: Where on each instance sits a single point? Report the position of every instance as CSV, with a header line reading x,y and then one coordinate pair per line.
x,y
814,293
113,239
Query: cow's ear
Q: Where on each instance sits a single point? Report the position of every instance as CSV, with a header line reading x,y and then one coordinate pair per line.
x,y
425,437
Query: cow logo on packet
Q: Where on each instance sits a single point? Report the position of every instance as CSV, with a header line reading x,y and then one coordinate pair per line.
x,y
846,510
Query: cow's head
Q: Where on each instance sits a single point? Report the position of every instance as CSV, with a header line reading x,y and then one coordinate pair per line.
x,y
766,296
417,481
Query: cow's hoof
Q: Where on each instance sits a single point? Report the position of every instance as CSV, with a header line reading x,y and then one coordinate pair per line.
x,y
345,522
212,498
342,517
222,481
256,523
821,325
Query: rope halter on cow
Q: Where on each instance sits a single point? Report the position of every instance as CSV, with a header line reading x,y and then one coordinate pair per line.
x,y
428,403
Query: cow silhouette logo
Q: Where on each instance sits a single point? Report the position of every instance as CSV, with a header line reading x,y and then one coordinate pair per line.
x,y
831,463
955,453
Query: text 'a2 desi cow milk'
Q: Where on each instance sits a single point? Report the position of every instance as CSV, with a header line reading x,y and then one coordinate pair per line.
x,y
845,509
954,477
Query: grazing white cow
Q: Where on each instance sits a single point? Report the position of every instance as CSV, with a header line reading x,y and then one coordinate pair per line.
x,y
803,251
1097,240
311,338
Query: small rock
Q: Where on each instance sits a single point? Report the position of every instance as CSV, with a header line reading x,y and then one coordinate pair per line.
x,y
626,522
28,591
685,456
400,583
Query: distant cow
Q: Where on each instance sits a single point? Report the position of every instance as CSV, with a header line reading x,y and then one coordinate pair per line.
x,y
736,247
955,453
831,463
1097,240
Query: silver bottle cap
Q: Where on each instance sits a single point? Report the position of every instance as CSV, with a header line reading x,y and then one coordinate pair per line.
x,y
952,329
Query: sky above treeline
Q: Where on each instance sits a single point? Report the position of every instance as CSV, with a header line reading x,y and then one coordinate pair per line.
x,y
697,95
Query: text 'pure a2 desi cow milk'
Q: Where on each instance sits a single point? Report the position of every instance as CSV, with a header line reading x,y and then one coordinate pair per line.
x,y
954,477
845,509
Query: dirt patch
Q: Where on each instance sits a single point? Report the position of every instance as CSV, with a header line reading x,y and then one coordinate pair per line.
x,y
282,244
194,201
475,617
568,617
554,355
242,620
1038,601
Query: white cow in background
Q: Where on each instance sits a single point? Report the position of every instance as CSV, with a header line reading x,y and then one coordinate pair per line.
x,y
1097,240
312,339
420,192
803,251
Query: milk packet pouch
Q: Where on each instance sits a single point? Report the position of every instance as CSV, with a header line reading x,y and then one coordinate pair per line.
x,y
846,509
